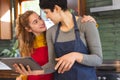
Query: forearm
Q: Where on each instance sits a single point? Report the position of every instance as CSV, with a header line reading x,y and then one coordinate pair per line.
x,y
92,60
48,68
89,60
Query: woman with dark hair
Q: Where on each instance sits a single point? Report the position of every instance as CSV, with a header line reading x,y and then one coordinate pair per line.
x,y
76,45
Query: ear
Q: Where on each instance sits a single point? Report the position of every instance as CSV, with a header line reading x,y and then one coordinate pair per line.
x,y
57,8
28,29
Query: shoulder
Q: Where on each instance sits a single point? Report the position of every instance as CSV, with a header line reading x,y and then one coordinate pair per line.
x,y
83,26
53,28
51,31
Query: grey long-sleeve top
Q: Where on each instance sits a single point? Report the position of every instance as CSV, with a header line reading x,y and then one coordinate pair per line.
x,y
89,35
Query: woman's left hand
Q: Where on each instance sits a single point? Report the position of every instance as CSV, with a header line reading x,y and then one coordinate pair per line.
x,y
26,71
65,62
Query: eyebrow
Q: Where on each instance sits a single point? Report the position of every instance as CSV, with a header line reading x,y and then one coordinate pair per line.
x,y
36,19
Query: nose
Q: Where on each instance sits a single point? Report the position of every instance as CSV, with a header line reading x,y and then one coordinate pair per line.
x,y
41,22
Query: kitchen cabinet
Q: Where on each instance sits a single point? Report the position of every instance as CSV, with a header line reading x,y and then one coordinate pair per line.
x,y
5,20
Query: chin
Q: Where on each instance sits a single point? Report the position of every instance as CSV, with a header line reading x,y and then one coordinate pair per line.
x,y
44,29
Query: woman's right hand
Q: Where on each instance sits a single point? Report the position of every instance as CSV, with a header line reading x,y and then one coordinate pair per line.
x,y
88,18
18,78
19,68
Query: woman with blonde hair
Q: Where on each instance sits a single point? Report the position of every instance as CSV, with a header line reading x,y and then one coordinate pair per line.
x,y
30,31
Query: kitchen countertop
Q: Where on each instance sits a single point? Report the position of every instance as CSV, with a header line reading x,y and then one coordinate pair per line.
x,y
6,72
4,67
112,66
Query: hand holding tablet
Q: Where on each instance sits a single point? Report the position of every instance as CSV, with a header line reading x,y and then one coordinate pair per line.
x,y
24,61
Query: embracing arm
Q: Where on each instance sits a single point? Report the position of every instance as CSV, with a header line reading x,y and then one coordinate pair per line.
x,y
49,67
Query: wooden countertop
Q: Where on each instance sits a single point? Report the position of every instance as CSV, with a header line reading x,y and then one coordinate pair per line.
x,y
112,66
8,74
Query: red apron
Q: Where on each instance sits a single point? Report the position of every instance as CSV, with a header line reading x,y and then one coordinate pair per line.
x,y
40,55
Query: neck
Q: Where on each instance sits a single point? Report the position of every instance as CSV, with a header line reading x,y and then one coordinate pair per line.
x,y
38,34
67,21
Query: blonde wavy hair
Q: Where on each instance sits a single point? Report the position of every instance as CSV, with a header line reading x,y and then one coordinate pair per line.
x,y
25,38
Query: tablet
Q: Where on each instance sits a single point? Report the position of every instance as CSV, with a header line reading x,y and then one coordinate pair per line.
x,y
25,61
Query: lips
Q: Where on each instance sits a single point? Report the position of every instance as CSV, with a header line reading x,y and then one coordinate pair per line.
x,y
43,27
